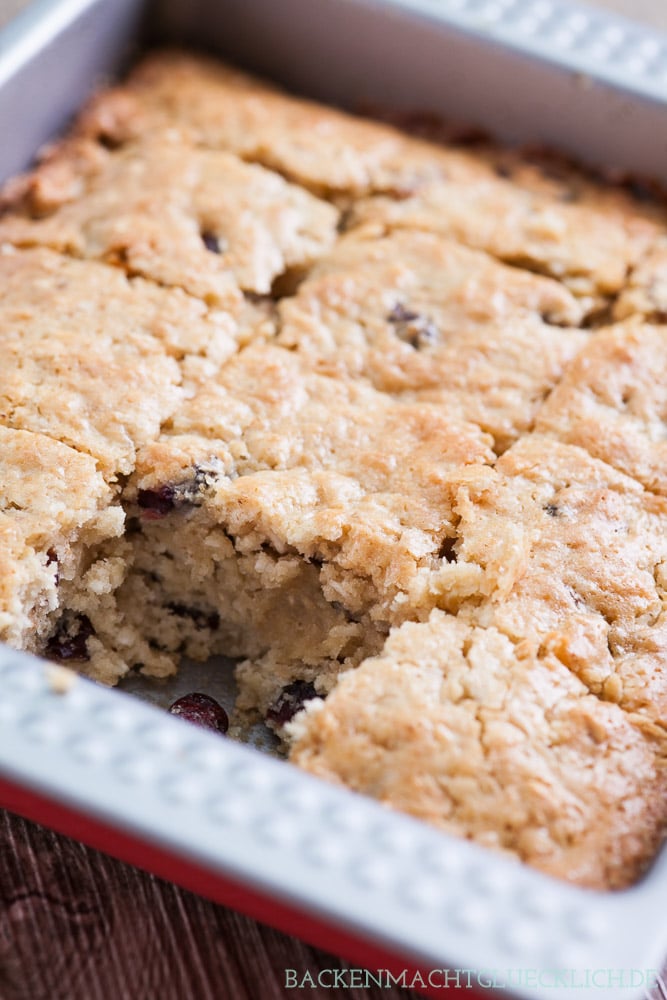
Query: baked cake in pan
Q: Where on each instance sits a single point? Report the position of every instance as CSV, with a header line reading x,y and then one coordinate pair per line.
x,y
382,418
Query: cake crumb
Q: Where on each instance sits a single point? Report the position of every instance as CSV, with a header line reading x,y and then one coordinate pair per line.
x,y
61,680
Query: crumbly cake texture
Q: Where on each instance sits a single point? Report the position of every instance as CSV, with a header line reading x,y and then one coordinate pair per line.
x,y
381,418
520,756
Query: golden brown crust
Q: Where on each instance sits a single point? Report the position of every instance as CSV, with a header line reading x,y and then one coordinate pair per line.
x,y
586,581
456,725
645,292
325,150
612,401
192,218
95,360
588,246
423,317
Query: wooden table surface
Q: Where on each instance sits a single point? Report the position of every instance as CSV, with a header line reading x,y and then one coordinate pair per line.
x,y
76,925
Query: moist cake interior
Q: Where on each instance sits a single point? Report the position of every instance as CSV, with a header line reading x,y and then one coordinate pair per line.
x,y
382,419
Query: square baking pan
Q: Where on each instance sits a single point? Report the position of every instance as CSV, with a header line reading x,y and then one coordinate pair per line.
x,y
232,822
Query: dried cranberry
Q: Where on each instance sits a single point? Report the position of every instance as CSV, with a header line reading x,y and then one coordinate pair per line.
x,y
157,503
190,492
201,710
70,639
201,619
502,170
211,242
416,330
399,314
291,700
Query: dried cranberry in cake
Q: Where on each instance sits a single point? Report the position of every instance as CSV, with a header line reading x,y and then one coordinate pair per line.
x,y
416,330
162,500
201,619
212,242
201,710
502,170
399,314
156,503
291,700
70,639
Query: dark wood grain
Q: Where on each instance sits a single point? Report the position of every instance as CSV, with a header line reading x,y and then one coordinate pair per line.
x,y
77,925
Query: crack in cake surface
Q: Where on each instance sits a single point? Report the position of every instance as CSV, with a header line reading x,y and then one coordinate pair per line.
x,y
588,243
198,219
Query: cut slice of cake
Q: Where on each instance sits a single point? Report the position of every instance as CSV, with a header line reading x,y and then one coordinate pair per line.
x,y
460,726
